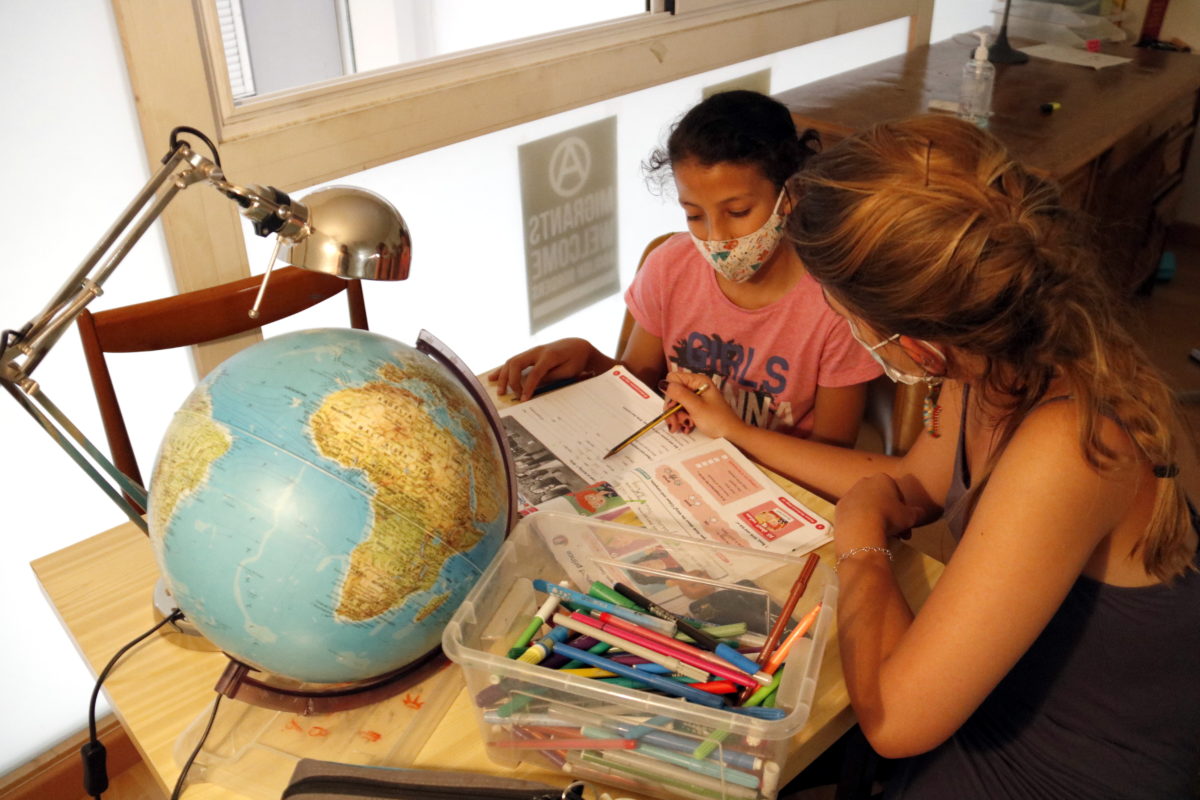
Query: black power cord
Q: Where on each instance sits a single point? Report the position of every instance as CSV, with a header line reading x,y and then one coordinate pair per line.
x,y
95,773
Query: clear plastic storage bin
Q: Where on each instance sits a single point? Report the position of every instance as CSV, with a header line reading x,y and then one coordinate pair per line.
x,y
682,748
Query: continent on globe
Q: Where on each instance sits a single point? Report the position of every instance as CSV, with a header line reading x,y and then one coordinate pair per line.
x,y
184,460
424,478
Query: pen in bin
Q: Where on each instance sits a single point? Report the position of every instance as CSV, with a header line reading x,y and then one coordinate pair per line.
x,y
539,651
539,619
689,656
788,607
657,681
628,440
684,652
785,613
581,599
629,644
701,638
781,653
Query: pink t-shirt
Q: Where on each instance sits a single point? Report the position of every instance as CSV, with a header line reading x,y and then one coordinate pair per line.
x,y
768,362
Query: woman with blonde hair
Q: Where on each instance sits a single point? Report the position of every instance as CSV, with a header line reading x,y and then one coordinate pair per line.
x,y
1059,654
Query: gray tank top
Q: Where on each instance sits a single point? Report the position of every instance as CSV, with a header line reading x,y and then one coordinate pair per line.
x,y
1105,703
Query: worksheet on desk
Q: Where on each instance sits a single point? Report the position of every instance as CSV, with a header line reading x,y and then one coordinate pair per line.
x,y
686,484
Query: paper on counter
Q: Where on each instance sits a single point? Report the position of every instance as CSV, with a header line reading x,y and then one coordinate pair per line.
x,y
1072,55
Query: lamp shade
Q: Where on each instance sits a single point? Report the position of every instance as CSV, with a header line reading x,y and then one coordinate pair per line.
x,y
352,233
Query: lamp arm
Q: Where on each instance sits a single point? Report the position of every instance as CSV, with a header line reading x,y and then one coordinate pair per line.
x,y
270,210
72,283
55,424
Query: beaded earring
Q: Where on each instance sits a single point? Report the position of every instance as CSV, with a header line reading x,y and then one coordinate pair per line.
x,y
931,410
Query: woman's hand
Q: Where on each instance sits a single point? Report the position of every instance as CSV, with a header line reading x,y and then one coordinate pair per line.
x,y
708,411
874,508
560,360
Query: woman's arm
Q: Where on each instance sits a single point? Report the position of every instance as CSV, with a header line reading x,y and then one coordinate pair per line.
x,y
838,413
913,681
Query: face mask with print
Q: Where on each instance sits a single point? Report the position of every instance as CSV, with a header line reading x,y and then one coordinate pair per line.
x,y
894,373
738,259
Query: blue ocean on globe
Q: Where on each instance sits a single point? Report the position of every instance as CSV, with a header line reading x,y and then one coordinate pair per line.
x,y
323,501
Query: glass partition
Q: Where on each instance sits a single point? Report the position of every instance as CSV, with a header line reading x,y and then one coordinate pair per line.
x,y
318,40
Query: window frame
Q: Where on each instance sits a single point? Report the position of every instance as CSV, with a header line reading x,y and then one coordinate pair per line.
x,y
319,133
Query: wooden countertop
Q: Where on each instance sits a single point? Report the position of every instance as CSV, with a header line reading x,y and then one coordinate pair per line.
x,y
1099,107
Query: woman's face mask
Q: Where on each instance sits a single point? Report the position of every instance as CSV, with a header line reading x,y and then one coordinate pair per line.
x,y
738,259
895,373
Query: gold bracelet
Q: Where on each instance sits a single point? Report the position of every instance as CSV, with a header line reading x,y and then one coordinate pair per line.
x,y
853,551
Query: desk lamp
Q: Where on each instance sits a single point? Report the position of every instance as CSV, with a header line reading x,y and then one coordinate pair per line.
x,y
342,231
339,230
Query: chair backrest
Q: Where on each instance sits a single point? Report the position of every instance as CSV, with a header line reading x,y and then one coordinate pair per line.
x,y
627,323
190,318
893,409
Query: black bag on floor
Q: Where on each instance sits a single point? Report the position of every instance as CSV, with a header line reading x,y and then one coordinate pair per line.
x,y
329,780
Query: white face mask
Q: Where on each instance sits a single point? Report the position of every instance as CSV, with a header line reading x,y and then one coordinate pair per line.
x,y
897,375
738,259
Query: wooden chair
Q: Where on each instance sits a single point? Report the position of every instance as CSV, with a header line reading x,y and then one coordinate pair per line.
x,y
627,323
894,410
191,318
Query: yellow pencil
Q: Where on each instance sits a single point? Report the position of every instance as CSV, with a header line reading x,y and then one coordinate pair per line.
x,y
633,436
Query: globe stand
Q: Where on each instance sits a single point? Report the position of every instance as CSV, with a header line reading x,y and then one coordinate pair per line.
x,y
283,694
252,750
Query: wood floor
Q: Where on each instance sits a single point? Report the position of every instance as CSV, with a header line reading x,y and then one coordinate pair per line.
x,y
1167,325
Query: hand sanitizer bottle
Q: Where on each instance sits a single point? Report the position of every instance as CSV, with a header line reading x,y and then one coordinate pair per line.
x,y
979,77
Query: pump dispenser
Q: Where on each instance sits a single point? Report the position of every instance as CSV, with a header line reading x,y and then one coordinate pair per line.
x,y
979,77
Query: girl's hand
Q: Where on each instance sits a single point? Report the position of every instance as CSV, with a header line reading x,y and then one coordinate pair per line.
x,y
524,372
875,505
708,411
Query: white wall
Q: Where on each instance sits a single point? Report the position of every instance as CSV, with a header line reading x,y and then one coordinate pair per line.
x,y
74,159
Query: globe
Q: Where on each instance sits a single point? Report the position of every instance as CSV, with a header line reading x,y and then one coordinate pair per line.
x,y
322,502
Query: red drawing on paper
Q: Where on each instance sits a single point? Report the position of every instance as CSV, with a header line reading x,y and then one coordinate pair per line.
x,y
370,736
722,476
708,518
317,730
293,725
413,701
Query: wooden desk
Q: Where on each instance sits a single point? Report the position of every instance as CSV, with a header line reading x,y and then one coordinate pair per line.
x,y
1118,145
101,589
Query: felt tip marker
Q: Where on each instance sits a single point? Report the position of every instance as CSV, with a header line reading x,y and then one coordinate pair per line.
x,y
539,619
539,651
677,650
700,637
781,653
581,599
705,640
664,685
567,744
581,623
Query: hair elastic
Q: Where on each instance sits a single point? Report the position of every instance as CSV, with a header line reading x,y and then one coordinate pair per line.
x,y
1166,470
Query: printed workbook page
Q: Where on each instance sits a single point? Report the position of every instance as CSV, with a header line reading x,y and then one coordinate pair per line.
x,y
684,484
